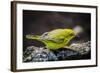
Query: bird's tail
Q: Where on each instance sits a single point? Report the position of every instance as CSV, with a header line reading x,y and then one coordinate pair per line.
x,y
32,37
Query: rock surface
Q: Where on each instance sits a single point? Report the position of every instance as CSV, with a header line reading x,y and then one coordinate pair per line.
x,y
41,54
82,48
35,54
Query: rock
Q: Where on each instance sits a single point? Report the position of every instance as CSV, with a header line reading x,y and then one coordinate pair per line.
x,y
76,51
27,53
39,55
66,54
82,48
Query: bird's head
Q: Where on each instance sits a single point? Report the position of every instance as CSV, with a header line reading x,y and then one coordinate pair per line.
x,y
74,32
70,33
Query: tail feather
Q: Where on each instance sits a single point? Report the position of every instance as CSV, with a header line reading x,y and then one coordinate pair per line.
x,y
32,37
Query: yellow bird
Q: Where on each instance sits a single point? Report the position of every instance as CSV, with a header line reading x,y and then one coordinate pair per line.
x,y
55,39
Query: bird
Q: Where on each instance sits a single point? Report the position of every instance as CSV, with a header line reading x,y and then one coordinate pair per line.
x,y
54,39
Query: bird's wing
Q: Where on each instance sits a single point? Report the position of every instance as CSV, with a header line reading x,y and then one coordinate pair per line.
x,y
44,34
53,39
58,40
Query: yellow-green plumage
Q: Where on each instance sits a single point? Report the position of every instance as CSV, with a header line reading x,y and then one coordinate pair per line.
x,y
55,39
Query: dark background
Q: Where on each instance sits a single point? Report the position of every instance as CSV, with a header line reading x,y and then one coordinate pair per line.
x,y
38,22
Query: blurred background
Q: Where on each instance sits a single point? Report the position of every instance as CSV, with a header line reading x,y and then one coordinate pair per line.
x,y
38,22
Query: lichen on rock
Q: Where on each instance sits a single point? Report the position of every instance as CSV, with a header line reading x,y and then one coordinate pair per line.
x,y
42,54
82,48
39,55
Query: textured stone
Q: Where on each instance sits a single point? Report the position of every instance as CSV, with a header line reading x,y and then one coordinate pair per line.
x,y
41,54
82,48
